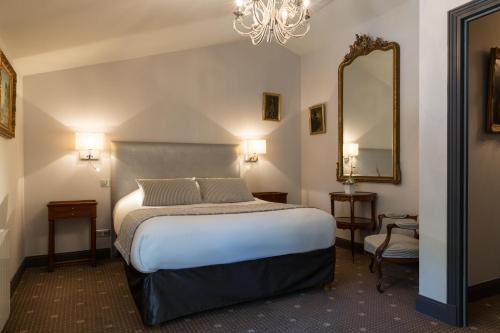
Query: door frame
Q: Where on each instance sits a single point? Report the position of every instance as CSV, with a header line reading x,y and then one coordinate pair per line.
x,y
457,261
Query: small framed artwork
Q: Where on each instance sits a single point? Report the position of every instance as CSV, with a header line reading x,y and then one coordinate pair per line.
x,y
271,106
493,117
317,123
8,80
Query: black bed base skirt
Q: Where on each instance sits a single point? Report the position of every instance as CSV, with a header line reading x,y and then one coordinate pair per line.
x,y
168,294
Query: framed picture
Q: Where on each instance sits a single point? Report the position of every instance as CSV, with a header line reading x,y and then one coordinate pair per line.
x,y
317,123
8,81
271,106
494,92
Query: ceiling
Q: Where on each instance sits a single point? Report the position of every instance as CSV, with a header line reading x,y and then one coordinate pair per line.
x,y
30,28
72,33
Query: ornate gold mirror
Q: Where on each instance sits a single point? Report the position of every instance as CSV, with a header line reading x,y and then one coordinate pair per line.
x,y
369,112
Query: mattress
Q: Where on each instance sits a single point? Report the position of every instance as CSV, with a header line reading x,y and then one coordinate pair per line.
x,y
179,242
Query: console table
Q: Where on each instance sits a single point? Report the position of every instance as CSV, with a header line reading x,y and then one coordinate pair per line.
x,y
353,222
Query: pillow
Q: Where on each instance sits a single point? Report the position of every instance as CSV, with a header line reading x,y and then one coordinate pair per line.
x,y
220,190
169,192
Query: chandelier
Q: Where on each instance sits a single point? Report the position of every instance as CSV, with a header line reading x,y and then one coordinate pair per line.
x,y
265,19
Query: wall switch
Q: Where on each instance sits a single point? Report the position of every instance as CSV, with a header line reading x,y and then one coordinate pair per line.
x,y
105,183
103,233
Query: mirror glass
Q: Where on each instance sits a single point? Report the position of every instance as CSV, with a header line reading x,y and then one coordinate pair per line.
x,y
368,113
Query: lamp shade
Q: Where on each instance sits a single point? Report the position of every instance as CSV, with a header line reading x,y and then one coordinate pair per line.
x,y
351,149
89,141
254,147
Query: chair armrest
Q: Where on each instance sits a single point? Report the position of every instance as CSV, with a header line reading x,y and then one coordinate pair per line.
x,y
383,246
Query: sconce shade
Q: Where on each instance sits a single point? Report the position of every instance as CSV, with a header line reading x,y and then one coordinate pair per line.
x,y
89,141
254,147
351,149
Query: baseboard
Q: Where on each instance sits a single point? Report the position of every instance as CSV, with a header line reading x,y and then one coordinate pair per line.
x,y
38,261
346,244
14,282
42,260
444,312
483,290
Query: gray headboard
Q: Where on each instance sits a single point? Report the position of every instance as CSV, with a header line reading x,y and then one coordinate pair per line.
x,y
132,160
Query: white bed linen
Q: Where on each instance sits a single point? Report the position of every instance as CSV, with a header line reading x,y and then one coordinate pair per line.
x,y
176,242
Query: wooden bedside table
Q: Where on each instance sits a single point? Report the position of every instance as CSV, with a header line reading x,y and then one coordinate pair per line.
x,y
279,197
68,210
353,222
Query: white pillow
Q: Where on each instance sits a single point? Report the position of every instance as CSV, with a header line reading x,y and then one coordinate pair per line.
x,y
169,192
222,190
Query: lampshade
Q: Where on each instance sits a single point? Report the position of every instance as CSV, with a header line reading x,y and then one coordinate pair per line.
x,y
351,149
254,147
89,141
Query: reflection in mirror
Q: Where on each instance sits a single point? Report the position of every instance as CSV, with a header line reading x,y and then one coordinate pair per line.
x,y
368,112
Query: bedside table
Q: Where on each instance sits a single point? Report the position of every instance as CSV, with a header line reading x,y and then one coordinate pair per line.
x,y
69,210
279,197
353,222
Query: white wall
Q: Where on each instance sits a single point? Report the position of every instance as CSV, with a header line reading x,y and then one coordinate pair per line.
x,y
11,181
207,95
484,157
320,83
433,145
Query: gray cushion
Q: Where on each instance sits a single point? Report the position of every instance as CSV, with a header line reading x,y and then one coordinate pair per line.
x,y
169,192
400,246
221,190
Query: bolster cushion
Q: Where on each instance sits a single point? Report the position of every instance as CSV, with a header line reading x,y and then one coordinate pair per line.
x,y
169,192
224,190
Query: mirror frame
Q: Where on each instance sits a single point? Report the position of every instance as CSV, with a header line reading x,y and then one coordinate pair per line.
x,y
363,46
492,127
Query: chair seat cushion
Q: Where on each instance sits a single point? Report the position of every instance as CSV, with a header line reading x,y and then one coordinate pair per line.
x,y
400,246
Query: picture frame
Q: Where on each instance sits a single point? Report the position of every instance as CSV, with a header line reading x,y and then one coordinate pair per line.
x,y
271,106
8,82
493,116
317,119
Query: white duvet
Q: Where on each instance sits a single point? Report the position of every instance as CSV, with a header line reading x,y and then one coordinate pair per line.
x,y
176,242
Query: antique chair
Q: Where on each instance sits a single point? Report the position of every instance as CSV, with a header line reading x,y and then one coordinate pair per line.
x,y
393,247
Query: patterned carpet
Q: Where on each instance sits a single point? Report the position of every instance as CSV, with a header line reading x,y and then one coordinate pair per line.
x,y
84,299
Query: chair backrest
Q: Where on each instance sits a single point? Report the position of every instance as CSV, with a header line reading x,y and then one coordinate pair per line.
x,y
384,219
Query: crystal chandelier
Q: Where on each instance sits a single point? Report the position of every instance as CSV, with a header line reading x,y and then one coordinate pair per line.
x,y
265,19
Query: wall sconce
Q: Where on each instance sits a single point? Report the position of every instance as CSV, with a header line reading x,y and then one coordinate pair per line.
x,y
351,149
252,149
351,152
89,145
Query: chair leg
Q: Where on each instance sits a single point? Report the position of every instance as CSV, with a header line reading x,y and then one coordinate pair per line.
x,y
372,262
379,271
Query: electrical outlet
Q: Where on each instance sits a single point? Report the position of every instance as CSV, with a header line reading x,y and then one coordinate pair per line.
x,y
105,183
103,233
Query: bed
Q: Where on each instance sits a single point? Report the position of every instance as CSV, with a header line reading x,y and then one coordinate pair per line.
x,y
182,264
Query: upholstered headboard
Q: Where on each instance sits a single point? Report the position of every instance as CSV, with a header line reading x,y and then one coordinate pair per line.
x,y
132,160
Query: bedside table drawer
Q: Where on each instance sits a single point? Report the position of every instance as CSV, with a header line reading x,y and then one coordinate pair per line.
x,y
73,211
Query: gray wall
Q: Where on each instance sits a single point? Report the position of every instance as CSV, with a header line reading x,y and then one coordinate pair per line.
x,y
484,157
207,95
